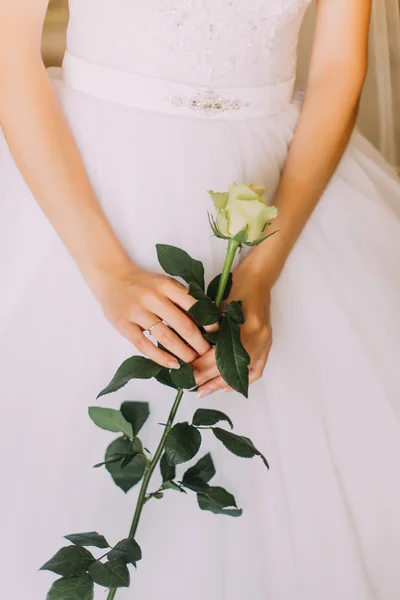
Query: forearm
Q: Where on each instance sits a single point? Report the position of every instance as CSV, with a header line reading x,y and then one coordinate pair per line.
x,y
325,126
49,160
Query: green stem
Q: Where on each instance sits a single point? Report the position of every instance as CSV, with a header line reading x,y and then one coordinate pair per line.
x,y
149,472
153,464
233,245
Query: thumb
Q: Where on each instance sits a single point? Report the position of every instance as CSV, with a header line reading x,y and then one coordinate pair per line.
x,y
212,328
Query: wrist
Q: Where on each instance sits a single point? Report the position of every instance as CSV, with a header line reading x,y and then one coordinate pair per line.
x,y
257,277
266,261
262,268
113,264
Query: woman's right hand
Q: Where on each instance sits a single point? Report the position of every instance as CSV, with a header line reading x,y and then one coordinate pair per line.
x,y
135,300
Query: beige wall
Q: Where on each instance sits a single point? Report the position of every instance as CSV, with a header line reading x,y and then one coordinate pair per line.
x,y
54,32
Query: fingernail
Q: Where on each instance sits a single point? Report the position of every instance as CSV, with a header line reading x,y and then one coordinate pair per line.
x,y
174,365
196,373
226,389
203,393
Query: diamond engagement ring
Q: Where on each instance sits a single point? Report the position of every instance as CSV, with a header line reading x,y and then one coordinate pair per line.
x,y
150,329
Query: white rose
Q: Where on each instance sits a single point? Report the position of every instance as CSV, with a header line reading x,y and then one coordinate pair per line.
x,y
240,208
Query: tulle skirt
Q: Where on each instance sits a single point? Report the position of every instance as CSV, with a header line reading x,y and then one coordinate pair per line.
x,y
324,522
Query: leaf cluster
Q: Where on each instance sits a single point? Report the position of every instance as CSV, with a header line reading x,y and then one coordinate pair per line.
x,y
184,442
80,570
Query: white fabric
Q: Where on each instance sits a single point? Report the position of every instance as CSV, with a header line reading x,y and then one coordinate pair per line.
x,y
379,117
324,522
220,44
151,93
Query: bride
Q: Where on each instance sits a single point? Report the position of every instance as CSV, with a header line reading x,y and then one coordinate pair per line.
x,y
157,102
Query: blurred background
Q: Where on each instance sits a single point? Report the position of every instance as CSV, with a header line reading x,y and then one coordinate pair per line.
x,y
54,32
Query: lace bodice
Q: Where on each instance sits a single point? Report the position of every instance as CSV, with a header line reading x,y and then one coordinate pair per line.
x,y
224,43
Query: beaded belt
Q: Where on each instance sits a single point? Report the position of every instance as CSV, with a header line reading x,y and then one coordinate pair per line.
x,y
149,93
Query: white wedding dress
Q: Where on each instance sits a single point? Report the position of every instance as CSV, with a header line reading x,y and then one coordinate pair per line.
x,y
168,99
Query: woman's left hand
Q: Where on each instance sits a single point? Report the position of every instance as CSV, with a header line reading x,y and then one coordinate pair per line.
x,y
256,333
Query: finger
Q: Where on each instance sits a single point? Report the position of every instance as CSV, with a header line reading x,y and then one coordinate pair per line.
x,y
254,374
257,347
218,383
202,377
212,328
258,364
133,333
215,383
256,371
182,324
207,361
210,387
165,336
263,350
205,367
179,295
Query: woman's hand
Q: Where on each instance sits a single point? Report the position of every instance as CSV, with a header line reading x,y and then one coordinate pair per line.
x,y
135,300
256,332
